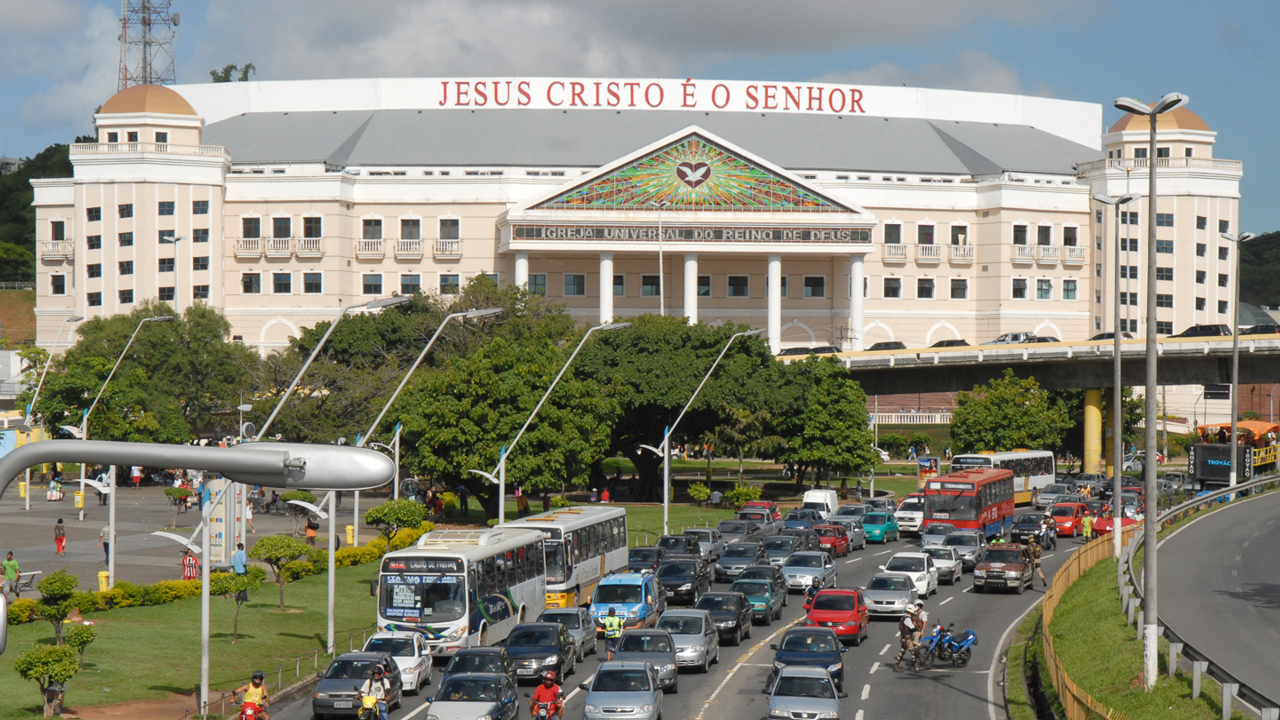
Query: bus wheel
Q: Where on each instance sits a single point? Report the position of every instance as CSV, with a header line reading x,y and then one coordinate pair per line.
x,y
484,635
522,610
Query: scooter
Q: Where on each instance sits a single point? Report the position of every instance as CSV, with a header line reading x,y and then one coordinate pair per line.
x,y
368,706
543,710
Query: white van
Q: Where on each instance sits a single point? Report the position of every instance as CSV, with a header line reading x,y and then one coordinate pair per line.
x,y
825,502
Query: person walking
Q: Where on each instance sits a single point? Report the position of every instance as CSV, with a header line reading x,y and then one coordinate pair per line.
x,y
136,475
312,526
60,537
240,561
11,573
464,500
1086,525
104,542
190,566
612,631
248,518
522,503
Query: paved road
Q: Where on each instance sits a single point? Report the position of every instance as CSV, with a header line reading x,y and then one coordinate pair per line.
x,y
1221,578
732,688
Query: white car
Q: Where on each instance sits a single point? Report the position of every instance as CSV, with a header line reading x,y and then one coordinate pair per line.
x,y
411,653
917,566
884,456
910,514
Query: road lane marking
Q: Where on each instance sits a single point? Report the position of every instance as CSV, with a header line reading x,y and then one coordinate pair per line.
x,y
1238,558
1246,543
1233,573
874,667
992,703
944,602
1253,610
850,562
742,661
885,650
858,716
1046,557
419,709
866,691
967,589
886,552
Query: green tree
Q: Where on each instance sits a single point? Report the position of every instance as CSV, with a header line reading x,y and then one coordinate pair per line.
x,y
391,516
79,638
700,493
1007,413
834,435
18,214
296,512
55,600
277,551
45,666
235,590
224,75
746,432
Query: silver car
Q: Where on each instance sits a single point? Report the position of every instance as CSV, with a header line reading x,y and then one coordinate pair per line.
x,y
710,543
803,692
475,695
695,636
578,622
739,531
935,533
968,545
656,648
1051,494
852,528
628,689
802,567
947,560
779,547
889,594
855,511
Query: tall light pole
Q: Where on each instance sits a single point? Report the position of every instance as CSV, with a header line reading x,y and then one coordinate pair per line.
x,y
666,436
662,281
1167,103
1235,354
501,470
1117,439
31,405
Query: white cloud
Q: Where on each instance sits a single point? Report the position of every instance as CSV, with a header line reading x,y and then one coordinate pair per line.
x,y
83,77
967,70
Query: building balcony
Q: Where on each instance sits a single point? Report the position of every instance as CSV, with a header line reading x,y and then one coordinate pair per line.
x,y
961,254
370,250
278,247
1171,162
409,249
249,247
1047,254
895,253
928,254
57,250
448,249
146,147
1073,255
1024,254
310,248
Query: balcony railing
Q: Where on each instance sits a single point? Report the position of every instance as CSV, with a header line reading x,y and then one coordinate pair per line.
x,y
369,249
448,249
962,254
279,247
1172,162
929,253
310,248
408,248
1047,254
895,253
146,147
248,247
58,249
1024,254
1073,255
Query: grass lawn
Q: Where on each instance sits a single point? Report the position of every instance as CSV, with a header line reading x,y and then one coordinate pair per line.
x,y
1015,690
147,653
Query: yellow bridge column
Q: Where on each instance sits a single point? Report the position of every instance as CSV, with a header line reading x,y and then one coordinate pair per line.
x,y
1093,431
1109,442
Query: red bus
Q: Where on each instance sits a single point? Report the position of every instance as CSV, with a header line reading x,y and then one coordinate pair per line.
x,y
977,499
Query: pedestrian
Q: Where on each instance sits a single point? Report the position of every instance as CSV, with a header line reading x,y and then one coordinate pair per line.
x,y
136,473
190,566
857,492
312,526
522,503
947,452
104,542
248,518
913,453
604,495
594,497
715,498
1086,525
60,537
464,500
11,573
239,561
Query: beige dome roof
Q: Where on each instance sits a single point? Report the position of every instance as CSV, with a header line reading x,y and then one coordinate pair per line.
x,y
1180,119
156,99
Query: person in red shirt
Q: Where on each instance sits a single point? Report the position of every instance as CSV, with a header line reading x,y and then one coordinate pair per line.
x,y
547,692
190,566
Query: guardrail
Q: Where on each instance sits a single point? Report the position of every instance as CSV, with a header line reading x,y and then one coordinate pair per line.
x,y
923,418
1201,664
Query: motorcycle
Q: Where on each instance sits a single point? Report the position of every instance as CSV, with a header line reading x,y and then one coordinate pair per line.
x,y
948,647
543,710
249,711
368,706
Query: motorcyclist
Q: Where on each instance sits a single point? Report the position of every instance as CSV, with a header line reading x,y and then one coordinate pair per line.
x,y
812,590
254,693
377,687
548,692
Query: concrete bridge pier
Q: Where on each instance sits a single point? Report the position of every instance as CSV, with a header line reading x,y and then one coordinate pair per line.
x,y
1109,441
1093,431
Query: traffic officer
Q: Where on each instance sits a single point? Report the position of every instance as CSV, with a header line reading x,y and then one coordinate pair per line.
x,y
1036,554
909,628
612,631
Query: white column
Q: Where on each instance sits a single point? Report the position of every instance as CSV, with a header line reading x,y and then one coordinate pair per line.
x,y
522,268
856,320
691,288
606,287
775,303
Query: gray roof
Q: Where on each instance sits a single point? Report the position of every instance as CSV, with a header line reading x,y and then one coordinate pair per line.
x,y
591,138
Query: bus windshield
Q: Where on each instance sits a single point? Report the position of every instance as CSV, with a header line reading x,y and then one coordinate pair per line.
x,y
554,550
423,598
954,507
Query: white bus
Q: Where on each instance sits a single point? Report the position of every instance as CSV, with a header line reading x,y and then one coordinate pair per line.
x,y
1032,469
583,544
463,588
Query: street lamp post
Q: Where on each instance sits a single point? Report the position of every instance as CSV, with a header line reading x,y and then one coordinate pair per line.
x,y
1150,628
662,281
31,405
1117,442
1235,354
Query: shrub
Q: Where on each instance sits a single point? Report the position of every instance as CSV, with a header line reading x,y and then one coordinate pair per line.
x,y
920,441
894,444
279,552
85,602
297,570
449,501
302,495
742,494
390,517
22,610
47,665
559,501
55,599
79,637
699,492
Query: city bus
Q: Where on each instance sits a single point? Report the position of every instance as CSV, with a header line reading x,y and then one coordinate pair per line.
x,y
463,588
1032,469
583,544
975,499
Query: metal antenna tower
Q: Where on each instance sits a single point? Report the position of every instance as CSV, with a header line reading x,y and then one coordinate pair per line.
x,y
146,42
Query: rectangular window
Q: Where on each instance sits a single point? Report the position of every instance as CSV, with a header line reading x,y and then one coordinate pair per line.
x,y
199,207
250,227
312,283
410,284
1200,303
537,284
166,265
924,234
1128,217
1163,327
1224,226
739,286
1128,298
704,286
57,231
199,292
1098,213
312,227
1164,246
166,208
1222,280
200,235
1140,152
619,285
200,263
1164,273
93,214
892,288
1222,307
1187,152
126,297
1068,289
166,237
250,283
782,286
57,284
1069,236
165,294
282,283
1019,289
410,229
95,299
372,284
1164,301
576,285
1129,244
893,234
1162,152
1164,219
1097,269
125,211
649,286
125,267
1097,297
94,242
449,229
959,289
1044,235
1019,234
924,288
131,136
959,235
372,229
162,138
1202,222
1201,249
1133,326
1200,277
112,137
94,270
1044,289
1129,272
1223,253
281,227
815,287
126,239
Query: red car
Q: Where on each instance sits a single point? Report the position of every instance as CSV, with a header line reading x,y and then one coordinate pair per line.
x,y
772,507
833,539
844,611
1067,516
1102,526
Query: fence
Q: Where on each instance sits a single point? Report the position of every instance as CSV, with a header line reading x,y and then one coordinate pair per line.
x,y
17,285
1077,704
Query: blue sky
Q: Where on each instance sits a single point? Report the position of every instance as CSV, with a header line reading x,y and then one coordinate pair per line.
x,y
58,58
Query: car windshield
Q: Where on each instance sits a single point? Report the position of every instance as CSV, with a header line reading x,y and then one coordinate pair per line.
x,y
962,540
809,687
888,583
1055,488
531,637
826,531
402,647
674,544
474,663
1063,511
621,681
569,620
681,625
350,669
740,551
854,510
677,569
875,519
464,689
619,594
703,535
939,529
755,516
643,555
757,573
717,603
905,564
1026,521
1004,556
805,561
645,643
938,553
834,601
750,587
731,526
785,542
911,505
809,642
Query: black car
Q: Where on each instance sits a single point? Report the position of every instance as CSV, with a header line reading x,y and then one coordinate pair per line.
x,y
731,612
772,573
1028,524
740,531
824,349
794,351
950,343
335,694
538,647
889,345
483,659
1046,339
640,559
1265,329
684,579
737,557
811,646
808,538
1204,331
680,544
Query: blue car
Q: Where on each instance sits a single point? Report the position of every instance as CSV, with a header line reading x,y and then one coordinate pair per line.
x,y
812,647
